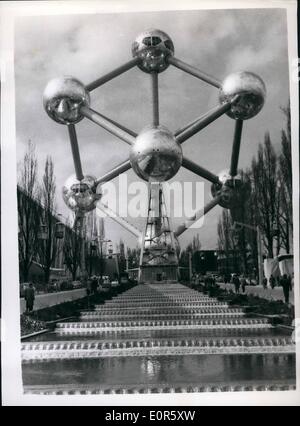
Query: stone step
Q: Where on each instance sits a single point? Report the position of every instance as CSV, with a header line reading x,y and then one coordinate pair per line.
x,y
162,295
93,349
164,342
138,316
170,310
94,326
165,388
166,334
157,298
161,304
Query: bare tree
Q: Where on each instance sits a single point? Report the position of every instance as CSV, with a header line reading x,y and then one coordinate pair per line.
x,y
72,250
285,178
192,249
48,246
226,243
265,191
28,210
241,212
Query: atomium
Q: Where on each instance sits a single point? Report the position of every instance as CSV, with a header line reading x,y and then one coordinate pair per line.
x,y
250,91
63,98
233,191
156,156
156,152
80,195
152,48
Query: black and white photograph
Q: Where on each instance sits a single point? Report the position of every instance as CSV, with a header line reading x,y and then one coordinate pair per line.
x,y
150,169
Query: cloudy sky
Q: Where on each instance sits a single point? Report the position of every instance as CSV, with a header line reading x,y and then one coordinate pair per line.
x,y
87,46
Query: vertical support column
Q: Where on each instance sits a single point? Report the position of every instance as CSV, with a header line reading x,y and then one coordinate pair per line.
x,y
155,191
155,100
82,232
236,147
259,257
75,152
190,267
158,253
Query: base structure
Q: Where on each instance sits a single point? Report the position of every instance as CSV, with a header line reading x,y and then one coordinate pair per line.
x,y
158,260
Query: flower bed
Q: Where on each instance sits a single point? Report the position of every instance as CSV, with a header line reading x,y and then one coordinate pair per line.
x,y
30,325
37,320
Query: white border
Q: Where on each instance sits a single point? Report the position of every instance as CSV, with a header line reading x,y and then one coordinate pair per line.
x,y
12,392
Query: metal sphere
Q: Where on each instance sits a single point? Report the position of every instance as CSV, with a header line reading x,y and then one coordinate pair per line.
x,y
80,195
251,91
153,47
233,190
156,155
63,98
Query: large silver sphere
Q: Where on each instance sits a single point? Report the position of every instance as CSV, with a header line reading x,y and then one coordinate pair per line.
x,y
233,190
153,47
251,91
63,98
80,195
156,155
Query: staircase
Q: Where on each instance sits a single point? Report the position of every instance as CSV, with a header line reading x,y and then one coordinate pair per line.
x,y
160,338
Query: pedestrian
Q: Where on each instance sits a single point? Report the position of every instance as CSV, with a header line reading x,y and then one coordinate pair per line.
x,y
286,286
237,283
265,283
94,285
88,286
243,283
29,297
208,282
272,281
213,281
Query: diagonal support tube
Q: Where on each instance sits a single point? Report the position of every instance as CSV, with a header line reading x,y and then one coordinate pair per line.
x,y
110,213
182,129
112,74
116,171
120,126
200,171
108,125
203,121
194,71
155,98
184,226
75,152
236,147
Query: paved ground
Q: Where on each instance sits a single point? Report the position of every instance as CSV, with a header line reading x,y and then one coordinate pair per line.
x,y
51,299
270,294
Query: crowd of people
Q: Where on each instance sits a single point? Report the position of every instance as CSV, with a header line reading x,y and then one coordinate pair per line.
x,y
284,281
240,281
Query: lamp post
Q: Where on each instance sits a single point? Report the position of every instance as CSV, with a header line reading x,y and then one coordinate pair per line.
x,y
44,235
216,261
259,248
